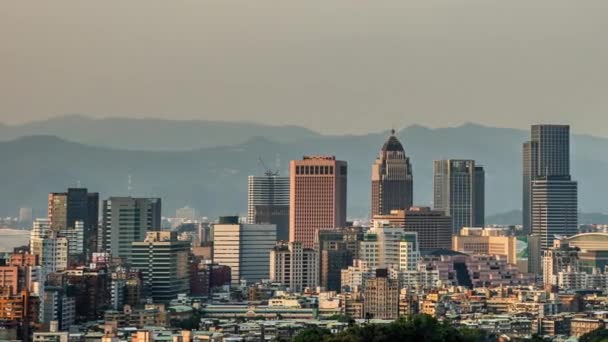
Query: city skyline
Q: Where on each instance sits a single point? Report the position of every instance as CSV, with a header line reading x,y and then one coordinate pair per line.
x,y
303,171
314,63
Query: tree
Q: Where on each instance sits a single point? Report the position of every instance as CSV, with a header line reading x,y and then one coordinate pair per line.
x,y
599,335
416,328
314,334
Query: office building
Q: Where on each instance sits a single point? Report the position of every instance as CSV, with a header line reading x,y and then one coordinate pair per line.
x,y
547,154
384,246
294,266
39,232
76,242
162,260
488,241
433,227
77,204
126,220
57,304
245,248
268,202
550,196
381,296
51,251
554,208
392,182
458,192
317,197
336,249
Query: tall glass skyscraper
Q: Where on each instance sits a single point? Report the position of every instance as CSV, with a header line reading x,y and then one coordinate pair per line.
x,y
458,189
547,154
550,196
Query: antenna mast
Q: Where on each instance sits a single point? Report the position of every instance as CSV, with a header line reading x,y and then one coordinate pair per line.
x,y
268,171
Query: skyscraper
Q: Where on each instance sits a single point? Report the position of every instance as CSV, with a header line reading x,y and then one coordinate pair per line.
x,y
554,208
547,154
317,197
126,220
245,248
162,260
392,186
77,204
458,192
550,196
268,202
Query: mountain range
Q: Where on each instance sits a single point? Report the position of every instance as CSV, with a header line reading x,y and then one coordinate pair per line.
x,y
206,164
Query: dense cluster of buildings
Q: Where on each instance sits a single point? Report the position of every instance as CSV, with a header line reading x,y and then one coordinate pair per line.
x,y
112,272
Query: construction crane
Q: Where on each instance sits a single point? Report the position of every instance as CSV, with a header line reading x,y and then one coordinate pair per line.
x,y
268,171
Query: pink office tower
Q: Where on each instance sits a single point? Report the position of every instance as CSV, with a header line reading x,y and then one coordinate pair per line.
x,y
317,198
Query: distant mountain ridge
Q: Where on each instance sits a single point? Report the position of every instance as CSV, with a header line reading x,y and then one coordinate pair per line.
x,y
152,134
213,178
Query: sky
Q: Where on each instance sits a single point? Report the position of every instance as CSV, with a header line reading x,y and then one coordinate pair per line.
x,y
335,66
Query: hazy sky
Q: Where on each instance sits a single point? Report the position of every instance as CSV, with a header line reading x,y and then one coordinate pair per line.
x,y
331,65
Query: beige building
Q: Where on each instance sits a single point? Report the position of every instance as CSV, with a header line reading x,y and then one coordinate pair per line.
x,y
381,296
293,266
433,227
317,197
245,248
489,241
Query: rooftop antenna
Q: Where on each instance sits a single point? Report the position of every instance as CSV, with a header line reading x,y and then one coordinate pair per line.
x,y
78,183
268,172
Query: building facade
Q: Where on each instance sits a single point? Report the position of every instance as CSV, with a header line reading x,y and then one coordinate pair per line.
x,y
294,266
458,192
488,241
77,204
381,296
546,155
126,220
554,208
317,197
268,202
433,227
392,181
245,248
162,260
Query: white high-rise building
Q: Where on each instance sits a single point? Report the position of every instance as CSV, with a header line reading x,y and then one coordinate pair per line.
x,y
384,246
52,251
268,202
75,238
245,248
